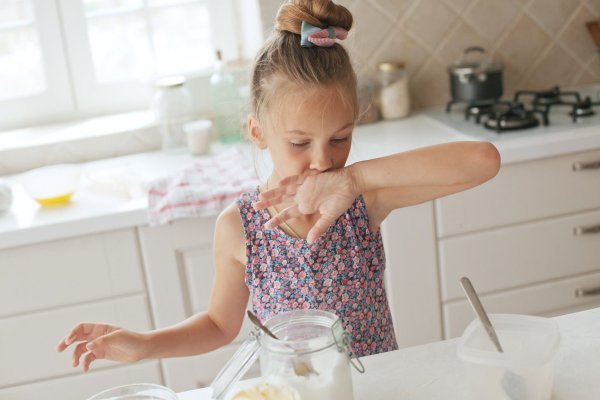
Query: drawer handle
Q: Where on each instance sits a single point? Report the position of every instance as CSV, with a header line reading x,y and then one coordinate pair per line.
x,y
580,166
587,292
586,230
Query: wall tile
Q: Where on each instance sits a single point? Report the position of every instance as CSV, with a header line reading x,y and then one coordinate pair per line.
x,y
402,47
490,18
431,86
458,40
370,30
595,7
429,22
459,5
395,8
553,14
576,37
555,67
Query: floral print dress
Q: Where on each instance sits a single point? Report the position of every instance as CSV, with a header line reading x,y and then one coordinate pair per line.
x,y
342,272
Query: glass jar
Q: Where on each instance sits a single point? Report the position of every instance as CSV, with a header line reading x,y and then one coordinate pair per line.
x,y
171,105
310,358
394,96
226,103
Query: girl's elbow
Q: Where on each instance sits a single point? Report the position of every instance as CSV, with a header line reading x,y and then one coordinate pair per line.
x,y
489,161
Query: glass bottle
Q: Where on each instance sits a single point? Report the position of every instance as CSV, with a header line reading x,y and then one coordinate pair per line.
x,y
226,102
394,98
171,105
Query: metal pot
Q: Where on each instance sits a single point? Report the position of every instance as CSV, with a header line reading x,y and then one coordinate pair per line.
x,y
475,78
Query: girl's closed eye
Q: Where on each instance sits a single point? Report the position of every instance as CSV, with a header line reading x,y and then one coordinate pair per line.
x,y
339,140
299,144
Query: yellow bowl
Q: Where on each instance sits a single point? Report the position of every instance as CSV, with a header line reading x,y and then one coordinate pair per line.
x,y
52,185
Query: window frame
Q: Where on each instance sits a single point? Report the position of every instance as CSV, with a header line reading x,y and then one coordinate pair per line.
x,y
73,92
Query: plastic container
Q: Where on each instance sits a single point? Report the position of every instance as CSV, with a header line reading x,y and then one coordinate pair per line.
x,y
199,136
525,369
137,391
53,185
171,104
312,338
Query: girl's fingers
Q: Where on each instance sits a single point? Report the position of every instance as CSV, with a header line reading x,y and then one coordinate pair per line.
x,y
79,350
87,360
319,228
84,331
284,215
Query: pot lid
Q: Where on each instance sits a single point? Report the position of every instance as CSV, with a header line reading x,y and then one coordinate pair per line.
x,y
469,64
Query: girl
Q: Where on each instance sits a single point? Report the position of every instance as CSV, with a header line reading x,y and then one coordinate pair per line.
x,y
309,237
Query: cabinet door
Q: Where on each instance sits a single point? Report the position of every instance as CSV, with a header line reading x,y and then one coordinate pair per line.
x,y
523,192
69,271
546,299
180,270
411,274
28,342
83,386
521,255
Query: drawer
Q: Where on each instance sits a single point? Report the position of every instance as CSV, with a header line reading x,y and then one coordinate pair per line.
x,y
83,386
520,255
523,192
28,342
547,299
69,271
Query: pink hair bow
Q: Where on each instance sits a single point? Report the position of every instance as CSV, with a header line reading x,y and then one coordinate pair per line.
x,y
314,36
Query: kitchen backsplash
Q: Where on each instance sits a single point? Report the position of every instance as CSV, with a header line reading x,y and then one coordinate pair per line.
x,y
540,42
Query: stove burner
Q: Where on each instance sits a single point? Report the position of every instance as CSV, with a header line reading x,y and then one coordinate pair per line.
x,y
583,109
513,116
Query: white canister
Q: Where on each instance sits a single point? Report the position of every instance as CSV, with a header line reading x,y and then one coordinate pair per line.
x,y
5,196
394,96
199,135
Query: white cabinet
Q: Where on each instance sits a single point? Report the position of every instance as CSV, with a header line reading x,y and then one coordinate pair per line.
x,y
528,239
180,269
47,288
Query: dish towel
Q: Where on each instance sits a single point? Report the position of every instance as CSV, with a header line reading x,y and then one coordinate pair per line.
x,y
203,189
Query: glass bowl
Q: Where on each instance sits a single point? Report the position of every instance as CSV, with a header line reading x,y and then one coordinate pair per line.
x,y
137,391
52,185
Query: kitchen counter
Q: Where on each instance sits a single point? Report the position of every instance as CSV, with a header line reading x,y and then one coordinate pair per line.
x,y
433,371
94,211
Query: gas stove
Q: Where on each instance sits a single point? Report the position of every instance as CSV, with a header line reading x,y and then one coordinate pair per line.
x,y
527,113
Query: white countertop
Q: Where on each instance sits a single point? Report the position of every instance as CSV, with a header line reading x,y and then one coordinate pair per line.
x,y
433,371
92,211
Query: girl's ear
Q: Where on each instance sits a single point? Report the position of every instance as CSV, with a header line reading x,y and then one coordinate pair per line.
x,y
255,133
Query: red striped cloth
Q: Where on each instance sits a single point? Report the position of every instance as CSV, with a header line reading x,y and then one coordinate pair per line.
x,y
203,189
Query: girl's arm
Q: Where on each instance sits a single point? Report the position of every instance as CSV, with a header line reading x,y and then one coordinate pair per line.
x,y
386,183
421,175
198,334
218,326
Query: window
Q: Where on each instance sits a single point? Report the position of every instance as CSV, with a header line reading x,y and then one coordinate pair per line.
x,y
66,59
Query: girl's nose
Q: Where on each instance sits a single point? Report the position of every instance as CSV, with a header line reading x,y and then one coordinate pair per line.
x,y
321,161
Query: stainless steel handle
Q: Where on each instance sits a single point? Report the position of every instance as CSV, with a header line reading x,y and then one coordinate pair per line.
x,y
581,166
480,311
586,230
587,292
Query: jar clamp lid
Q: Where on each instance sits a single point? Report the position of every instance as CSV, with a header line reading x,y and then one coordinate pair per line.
x,y
390,66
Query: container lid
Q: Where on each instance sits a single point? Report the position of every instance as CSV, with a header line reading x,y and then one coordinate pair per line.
x,y
528,341
391,66
469,64
236,367
170,82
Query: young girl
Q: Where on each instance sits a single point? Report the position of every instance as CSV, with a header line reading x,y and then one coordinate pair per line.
x,y
309,237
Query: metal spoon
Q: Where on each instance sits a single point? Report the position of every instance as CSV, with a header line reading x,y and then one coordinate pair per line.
x,y
514,385
301,368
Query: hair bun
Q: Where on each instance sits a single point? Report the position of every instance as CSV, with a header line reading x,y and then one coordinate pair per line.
x,y
321,13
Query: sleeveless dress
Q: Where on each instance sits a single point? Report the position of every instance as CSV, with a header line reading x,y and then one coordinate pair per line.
x,y
342,272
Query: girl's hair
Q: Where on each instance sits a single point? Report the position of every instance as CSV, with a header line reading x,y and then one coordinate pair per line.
x,y
282,62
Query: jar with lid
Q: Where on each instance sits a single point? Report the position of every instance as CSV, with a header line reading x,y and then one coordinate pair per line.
x,y
226,102
310,358
171,105
394,96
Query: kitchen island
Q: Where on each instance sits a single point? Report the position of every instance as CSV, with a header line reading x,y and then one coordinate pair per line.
x,y
433,371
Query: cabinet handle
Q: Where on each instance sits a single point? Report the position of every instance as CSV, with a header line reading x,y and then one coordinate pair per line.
x,y
586,230
587,292
580,166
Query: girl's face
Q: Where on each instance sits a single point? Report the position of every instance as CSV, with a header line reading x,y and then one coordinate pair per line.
x,y
311,131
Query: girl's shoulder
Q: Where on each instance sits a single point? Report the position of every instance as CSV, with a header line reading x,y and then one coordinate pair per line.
x,y
229,233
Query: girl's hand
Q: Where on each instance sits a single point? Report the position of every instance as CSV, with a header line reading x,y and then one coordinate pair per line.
x,y
329,193
103,341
